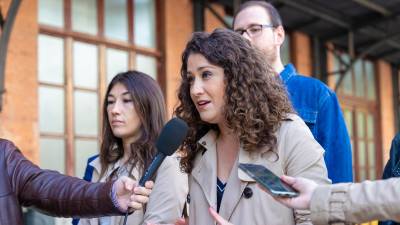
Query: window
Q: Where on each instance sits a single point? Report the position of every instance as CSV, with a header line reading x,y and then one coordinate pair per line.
x,y
357,93
81,46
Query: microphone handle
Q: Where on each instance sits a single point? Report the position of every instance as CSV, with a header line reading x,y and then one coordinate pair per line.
x,y
158,159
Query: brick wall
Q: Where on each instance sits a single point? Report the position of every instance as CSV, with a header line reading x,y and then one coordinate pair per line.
x,y
19,118
178,30
384,75
301,53
177,33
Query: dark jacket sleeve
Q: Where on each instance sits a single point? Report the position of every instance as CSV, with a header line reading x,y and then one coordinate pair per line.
x,y
54,193
392,168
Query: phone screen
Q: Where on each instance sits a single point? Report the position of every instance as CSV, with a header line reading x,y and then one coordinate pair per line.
x,y
268,180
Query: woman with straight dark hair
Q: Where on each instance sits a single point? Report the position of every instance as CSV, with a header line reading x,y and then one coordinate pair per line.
x,y
238,112
133,116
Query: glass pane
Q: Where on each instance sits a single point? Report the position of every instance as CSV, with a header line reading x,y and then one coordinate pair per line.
x,y
371,158
362,174
285,50
84,16
117,61
370,72
336,67
360,124
116,19
145,23
85,65
370,126
359,75
147,64
348,116
51,109
51,12
86,113
83,150
347,82
361,154
372,173
52,154
51,59
371,154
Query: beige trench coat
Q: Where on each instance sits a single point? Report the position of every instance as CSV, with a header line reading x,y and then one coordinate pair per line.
x,y
299,155
166,200
356,203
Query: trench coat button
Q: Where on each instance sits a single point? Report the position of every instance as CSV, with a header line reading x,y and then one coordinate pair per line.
x,y
204,143
188,198
247,192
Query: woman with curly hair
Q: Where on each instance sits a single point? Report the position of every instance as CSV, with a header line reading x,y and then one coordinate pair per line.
x,y
133,115
238,112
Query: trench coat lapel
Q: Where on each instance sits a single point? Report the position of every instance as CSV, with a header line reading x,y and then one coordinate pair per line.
x,y
232,194
205,171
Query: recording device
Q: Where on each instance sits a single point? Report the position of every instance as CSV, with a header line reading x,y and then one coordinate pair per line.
x,y
171,137
271,182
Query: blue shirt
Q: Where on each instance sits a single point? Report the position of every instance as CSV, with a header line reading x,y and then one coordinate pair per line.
x,y
318,106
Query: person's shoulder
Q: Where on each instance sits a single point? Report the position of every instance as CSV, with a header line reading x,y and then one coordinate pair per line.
x,y
7,145
291,117
93,159
290,121
312,82
94,163
293,127
171,161
312,87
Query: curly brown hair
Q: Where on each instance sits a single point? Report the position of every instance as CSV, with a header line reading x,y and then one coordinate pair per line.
x,y
255,100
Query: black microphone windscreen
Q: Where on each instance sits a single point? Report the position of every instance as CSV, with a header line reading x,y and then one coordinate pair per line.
x,y
172,136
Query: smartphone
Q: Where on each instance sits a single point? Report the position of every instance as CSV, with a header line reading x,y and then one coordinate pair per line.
x,y
268,180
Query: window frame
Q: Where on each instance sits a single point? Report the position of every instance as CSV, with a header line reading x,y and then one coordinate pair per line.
x,y
70,36
367,106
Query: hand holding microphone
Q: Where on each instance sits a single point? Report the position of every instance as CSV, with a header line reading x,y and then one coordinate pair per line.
x,y
171,137
129,196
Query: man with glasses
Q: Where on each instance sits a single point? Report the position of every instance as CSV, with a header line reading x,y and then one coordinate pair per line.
x,y
316,104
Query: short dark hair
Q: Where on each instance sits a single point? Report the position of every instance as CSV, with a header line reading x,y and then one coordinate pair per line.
x,y
273,13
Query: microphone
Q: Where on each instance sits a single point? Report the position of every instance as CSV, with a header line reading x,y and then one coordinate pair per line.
x,y
171,137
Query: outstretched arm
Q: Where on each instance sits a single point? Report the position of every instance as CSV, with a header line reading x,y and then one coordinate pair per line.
x,y
347,202
61,195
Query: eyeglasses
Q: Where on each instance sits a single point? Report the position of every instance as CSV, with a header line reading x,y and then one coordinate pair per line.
x,y
254,30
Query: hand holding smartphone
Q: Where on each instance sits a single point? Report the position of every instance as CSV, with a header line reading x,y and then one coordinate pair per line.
x,y
268,180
